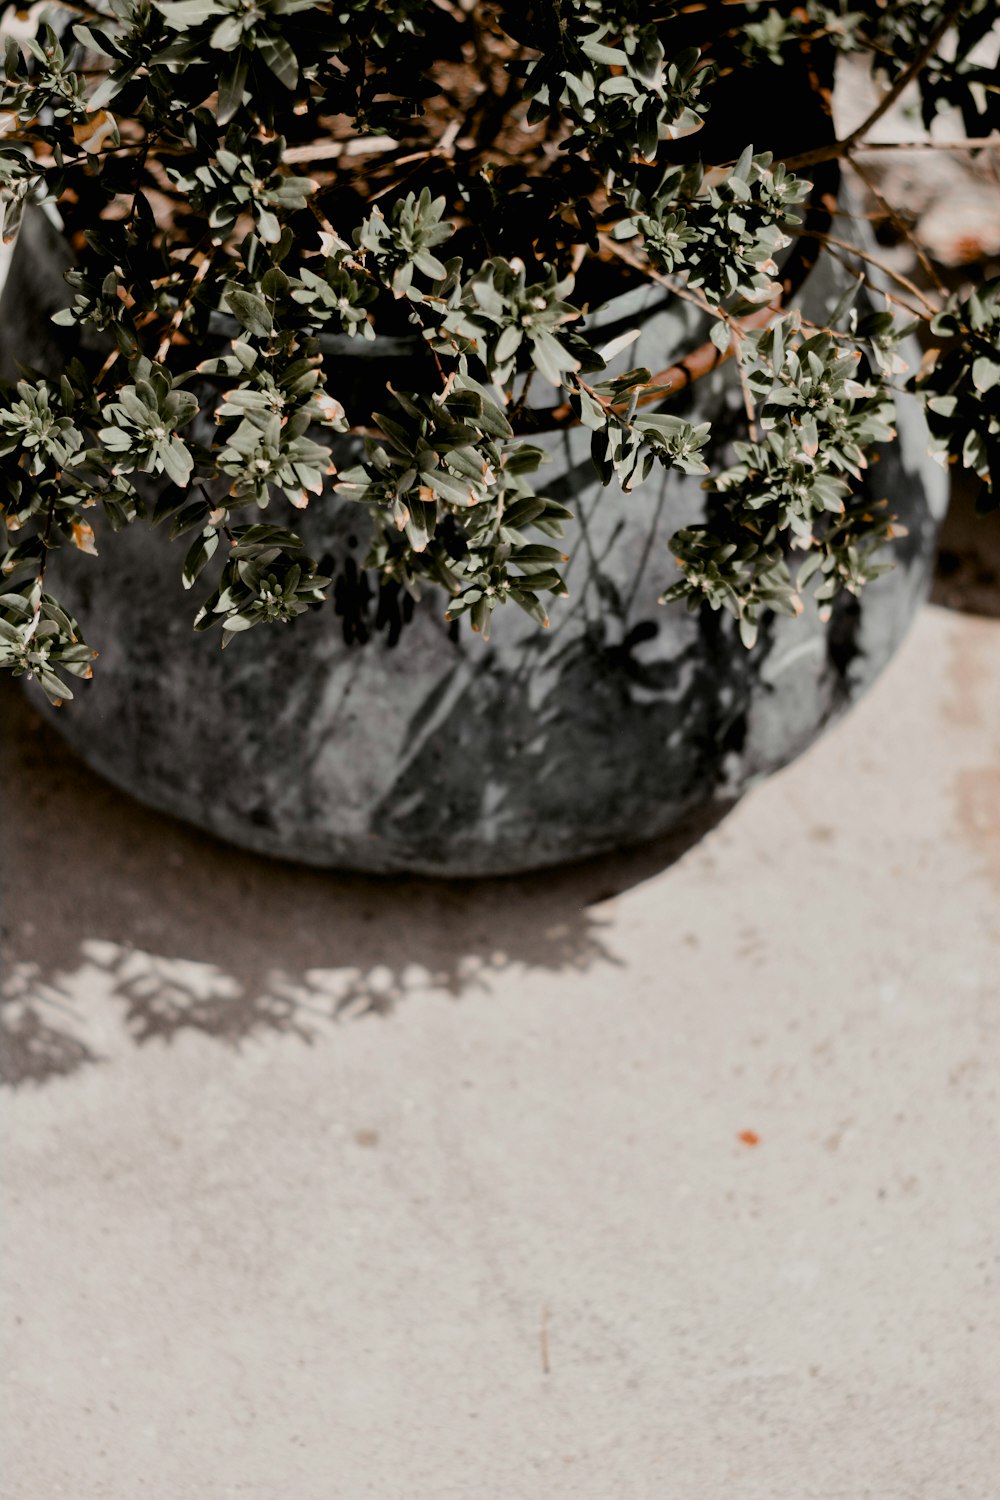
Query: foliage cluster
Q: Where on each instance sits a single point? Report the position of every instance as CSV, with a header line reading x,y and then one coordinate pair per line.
x,y
480,178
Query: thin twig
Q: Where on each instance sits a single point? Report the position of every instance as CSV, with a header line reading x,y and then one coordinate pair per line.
x,y
901,226
891,297
183,304
213,506
615,247
887,270
973,143
736,326
519,404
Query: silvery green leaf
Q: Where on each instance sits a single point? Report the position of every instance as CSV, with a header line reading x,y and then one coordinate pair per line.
x,y
279,57
200,552
251,311
986,372
721,335
232,83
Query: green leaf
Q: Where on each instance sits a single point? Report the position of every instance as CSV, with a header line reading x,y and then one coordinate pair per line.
x,y
228,34
200,552
232,82
550,358
183,14
508,344
748,631
274,283
251,311
721,336
251,539
189,515
610,57
279,57
177,461
985,373
96,40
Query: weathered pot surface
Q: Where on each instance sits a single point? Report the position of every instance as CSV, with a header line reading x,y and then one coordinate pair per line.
x,y
454,756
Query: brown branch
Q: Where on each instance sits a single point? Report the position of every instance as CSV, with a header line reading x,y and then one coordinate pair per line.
x,y
615,247
184,302
973,143
703,360
214,506
889,296
831,240
848,144
670,382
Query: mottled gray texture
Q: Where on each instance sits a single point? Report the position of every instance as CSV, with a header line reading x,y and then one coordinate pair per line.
x,y
462,757
324,1188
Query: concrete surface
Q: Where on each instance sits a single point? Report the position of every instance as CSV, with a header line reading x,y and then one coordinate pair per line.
x,y
633,1182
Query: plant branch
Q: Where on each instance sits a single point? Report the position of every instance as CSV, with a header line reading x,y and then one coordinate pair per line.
x,y
973,143
213,507
831,240
901,226
889,296
848,144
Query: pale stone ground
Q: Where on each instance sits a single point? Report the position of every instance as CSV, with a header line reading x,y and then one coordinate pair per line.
x,y
320,1189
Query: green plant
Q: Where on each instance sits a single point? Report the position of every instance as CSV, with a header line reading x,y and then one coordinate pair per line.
x,y
481,177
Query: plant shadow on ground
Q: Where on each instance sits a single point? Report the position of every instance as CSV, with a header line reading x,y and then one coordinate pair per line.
x,y
186,934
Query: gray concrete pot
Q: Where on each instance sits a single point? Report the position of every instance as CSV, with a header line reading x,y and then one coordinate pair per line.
x,y
455,756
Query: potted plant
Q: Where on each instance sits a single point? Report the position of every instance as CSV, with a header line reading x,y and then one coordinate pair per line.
x,y
541,443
